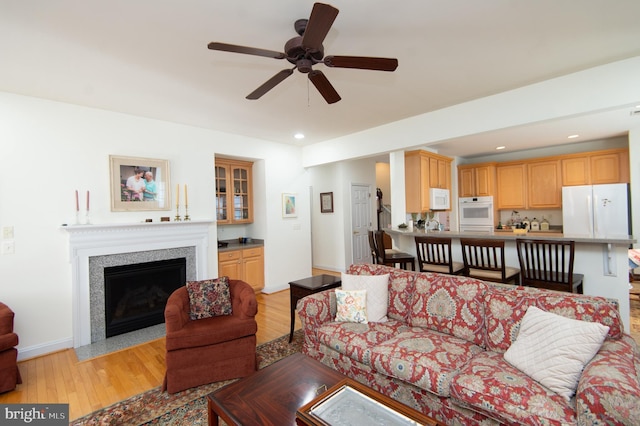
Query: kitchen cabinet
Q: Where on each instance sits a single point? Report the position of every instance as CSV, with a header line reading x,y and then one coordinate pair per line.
x,y
477,180
243,264
511,185
594,168
544,184
424,170
234,191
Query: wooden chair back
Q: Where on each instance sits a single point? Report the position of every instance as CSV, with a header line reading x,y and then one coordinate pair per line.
x,y
484,259
434,255
548,264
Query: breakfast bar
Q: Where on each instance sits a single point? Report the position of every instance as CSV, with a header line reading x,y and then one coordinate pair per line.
x,y
603,261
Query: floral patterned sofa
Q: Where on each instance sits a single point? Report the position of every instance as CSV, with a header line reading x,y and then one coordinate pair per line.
x,y
441,351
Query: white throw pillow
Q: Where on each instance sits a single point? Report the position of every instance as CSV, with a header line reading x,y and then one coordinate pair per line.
x,y
553,350
377,287
351,306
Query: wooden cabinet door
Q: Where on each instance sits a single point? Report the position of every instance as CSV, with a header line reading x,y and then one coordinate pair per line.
x,y
466,182
575,171
241,208
223,185
511,186
253,267
544,185
230,264
416,183
484,180
605,168
439,173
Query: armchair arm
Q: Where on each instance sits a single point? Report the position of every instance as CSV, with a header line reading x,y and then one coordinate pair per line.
x,y
243,299
315,310
6,319
609,388
176,312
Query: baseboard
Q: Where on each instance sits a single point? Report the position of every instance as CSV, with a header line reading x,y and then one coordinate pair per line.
x,y
275,289
328,268
46,348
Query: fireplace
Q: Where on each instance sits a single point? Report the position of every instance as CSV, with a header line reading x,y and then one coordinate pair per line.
x,y
93,248
136,295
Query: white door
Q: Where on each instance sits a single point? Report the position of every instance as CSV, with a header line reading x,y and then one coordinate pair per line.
x,y
360,223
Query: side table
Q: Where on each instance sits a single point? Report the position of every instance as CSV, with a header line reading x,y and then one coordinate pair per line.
x,y
307,286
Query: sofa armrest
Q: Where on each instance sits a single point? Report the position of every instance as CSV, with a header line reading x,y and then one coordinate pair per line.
x,y
243,299
315,310
609,388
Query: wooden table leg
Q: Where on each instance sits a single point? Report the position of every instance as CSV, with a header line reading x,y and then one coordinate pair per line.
x,y
213,416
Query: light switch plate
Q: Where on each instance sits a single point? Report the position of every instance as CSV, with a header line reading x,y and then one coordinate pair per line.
x,y
7,247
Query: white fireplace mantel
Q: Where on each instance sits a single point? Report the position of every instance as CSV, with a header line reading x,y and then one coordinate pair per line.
x,y
86,241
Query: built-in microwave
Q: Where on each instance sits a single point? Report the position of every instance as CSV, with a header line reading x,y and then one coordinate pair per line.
x,y
439,199
475,212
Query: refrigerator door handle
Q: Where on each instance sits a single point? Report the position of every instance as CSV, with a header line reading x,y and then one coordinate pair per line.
x,y
591,222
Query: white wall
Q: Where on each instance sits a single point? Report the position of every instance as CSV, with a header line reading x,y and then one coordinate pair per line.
x,y
50,149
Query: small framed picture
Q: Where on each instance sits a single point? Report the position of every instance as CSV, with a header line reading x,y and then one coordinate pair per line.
x,y
289,205
139,184
326,202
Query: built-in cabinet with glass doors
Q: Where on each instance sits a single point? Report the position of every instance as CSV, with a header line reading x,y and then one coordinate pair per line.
x,y
234,191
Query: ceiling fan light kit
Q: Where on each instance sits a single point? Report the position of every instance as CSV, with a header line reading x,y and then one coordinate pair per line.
x,y
307,50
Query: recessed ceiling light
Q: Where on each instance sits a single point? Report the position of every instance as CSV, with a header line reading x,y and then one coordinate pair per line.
x,y
572,136
500,147
299,136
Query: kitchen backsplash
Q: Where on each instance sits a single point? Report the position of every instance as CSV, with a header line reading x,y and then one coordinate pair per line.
x,y
554,217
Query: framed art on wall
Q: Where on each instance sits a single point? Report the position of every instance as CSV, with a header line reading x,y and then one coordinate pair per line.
x,y
326,202
139,184
289,205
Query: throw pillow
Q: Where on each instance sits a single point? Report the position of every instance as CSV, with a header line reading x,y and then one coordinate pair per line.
x,y
351,306
553,350
377,287
209,298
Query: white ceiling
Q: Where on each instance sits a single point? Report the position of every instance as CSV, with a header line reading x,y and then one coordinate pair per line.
x,y
150,58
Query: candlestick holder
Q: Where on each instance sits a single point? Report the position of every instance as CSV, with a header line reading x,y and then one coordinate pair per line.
x,y
77,217
177,218
186,213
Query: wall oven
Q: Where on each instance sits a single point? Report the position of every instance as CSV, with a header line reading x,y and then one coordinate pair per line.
x,y
476,214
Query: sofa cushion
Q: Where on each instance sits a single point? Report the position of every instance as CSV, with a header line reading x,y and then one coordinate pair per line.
x,y
351,306
355,340
491,386
504,309
449,304
553,349
209,298
401,287
377,287
425,358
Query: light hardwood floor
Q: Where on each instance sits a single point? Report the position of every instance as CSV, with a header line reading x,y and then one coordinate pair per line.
x,y
99,382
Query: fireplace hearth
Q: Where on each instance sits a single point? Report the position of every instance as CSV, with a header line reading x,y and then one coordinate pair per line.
x,y
136,295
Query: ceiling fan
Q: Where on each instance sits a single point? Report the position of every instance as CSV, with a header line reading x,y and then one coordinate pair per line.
x,y
306,50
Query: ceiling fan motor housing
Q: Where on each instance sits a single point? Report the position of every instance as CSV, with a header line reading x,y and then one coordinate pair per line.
x,y
295,51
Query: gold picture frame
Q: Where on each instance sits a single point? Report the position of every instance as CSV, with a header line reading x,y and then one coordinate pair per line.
x,y
139,184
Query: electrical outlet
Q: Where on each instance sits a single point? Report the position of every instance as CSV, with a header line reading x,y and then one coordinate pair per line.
x,y
7,247
7,232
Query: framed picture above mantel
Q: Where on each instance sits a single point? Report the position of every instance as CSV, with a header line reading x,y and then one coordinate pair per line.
x,y
139,184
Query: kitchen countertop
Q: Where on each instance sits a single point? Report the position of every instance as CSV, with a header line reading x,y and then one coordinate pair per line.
x,y
505,234
235,245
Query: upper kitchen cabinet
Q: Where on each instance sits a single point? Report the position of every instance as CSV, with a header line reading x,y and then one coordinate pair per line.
x,y
511,182
477,180
598,167
422,171
234,191
544,184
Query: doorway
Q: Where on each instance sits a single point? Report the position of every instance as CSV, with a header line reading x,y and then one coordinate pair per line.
x,y
360,222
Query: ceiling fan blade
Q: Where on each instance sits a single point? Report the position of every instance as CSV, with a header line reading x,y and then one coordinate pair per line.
x,y
270,84
246,50
324,87
320,21
362,62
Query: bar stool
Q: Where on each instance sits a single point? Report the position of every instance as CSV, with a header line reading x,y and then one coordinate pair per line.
x,y
484,259
549,265
391,258
434,255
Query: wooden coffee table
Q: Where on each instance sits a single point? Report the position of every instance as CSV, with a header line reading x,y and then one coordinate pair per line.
x,y
272,396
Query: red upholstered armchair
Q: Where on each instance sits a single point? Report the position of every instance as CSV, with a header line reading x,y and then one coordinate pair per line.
x,y
211,349
9,373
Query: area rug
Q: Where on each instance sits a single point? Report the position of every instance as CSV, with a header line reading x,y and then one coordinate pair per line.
x,y
184,408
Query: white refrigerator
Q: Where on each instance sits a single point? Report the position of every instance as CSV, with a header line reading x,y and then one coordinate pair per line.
x,y
596,211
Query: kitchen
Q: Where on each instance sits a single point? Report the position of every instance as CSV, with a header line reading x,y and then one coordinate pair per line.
x,y
515,192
